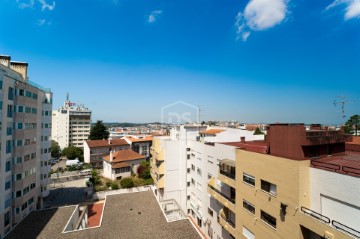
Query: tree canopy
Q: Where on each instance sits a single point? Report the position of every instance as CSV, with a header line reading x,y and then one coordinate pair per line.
x,y
258,131
55,149
99,131
352,125
73,152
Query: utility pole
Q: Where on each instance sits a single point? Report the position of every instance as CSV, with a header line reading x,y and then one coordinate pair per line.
x,y
341,101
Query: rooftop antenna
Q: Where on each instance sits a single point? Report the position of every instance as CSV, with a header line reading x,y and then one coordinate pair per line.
x,y
341,101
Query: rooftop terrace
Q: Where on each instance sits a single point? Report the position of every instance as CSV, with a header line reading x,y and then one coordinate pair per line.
x,y
132,215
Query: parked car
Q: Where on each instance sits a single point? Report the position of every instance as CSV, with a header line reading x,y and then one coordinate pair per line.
x,y
85,172
70,162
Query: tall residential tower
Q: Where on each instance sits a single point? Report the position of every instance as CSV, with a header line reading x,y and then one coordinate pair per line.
x,y
71,124
25,129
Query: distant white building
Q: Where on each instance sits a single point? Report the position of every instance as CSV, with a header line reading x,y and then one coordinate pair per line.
x,y
121,164
71,125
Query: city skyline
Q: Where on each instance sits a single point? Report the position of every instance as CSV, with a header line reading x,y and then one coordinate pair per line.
x,y
125,60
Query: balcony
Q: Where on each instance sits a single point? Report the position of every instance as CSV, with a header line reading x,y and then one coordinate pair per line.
x,y
227,172
225,200
159,181
319,224
158,168
226,222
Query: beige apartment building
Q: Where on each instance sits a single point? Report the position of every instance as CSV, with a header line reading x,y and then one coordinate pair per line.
x,y
25,128
278,188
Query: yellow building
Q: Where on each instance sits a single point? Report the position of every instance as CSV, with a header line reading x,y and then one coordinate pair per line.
x,y
157,165
267,196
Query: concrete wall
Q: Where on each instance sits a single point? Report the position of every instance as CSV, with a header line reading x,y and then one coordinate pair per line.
x,y
336,196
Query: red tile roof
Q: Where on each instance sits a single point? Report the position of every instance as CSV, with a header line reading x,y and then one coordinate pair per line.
x,y
212,131
105,143
135,140
124,155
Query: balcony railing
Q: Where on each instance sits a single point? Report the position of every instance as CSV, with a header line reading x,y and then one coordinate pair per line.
x,y
227,174
228,220
222,194
336,168
315,215
346,229
339,226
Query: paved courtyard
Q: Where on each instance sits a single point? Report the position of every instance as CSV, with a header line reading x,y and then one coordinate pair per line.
x,y
66,193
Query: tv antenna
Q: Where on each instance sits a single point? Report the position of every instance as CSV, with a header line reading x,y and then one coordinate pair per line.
x,y
340,101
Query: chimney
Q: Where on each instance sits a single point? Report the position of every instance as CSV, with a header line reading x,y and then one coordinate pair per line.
x,y
242,139
111,155
5,60
20,67
109,140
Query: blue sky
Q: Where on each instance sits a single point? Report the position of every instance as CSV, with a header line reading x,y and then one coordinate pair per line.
x,y
252,61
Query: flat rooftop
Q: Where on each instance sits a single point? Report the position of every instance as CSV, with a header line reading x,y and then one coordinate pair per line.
x,y
349,163
132,215
258,146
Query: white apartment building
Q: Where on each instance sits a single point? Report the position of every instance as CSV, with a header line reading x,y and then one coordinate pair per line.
x,y
25,124
183,163
206,154
71,124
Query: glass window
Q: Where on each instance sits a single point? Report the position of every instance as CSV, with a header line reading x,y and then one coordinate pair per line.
x,y
268,219
8,166
248,206
268,187
7,185
247,178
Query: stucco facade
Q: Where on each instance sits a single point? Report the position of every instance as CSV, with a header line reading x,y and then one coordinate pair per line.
x,y
25,125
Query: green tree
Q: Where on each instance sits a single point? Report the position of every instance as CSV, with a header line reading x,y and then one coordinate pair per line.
x,y
127,182
99,131
144,170
258,131
352,125
55,149
95,178
73,152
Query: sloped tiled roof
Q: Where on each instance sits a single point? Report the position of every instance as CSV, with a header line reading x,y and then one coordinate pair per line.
x,y
124,155
105,143
144,139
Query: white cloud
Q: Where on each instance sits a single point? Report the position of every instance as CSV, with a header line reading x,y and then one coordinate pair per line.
x,y
43,22
28,4
153,16
259,15
45,5
31,3
352,9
